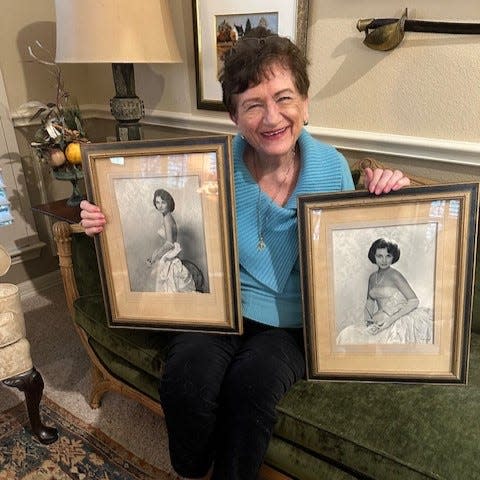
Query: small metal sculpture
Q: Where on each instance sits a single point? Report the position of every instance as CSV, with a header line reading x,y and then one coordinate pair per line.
x,y
387,33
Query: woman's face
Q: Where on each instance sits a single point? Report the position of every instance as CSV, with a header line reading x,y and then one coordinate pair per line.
x,y
383,259
161,205
271,114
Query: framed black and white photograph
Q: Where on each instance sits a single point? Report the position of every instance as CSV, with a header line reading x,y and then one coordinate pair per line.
x,y
169,242
387,283
218,24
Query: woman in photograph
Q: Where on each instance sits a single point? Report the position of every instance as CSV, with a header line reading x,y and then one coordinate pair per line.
x,y
219,392
392,313
168,271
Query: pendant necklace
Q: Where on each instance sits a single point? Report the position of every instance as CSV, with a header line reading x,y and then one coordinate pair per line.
x,y
262,219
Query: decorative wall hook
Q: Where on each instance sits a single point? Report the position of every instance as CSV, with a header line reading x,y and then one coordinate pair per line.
x,y
387,33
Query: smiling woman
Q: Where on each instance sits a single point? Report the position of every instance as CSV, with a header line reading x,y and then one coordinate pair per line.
x,y
271,116
235,382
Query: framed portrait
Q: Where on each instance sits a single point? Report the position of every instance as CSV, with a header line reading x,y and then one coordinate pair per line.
x,y
218,24
167,255
387,283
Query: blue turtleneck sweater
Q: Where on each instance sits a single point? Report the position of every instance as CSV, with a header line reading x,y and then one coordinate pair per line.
x,y
270,278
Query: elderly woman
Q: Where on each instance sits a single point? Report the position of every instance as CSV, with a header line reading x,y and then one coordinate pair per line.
x,y
219,392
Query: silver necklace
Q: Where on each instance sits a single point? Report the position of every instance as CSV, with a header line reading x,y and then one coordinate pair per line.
x,y
262,219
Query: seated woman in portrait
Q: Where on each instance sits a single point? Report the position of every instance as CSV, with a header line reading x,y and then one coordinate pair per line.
x,y
168,271
392,314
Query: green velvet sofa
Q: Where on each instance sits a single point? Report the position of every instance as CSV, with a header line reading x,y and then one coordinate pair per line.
x,y
325,430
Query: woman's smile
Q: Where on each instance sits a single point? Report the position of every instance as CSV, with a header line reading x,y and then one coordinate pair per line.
x,y
271,115
277,132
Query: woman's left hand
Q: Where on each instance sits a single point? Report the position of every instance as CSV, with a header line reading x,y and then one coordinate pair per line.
x,y
380,181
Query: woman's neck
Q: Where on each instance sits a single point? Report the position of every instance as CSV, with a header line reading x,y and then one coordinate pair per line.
x,y
267,164
276,176
381,272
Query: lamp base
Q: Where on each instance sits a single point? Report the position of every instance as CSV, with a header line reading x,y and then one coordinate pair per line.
x,y
126,107
128,131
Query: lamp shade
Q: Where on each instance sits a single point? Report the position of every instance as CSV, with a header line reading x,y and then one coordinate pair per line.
x,y
115,31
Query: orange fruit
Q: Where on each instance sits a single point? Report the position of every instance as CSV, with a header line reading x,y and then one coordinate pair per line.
x,y
73,153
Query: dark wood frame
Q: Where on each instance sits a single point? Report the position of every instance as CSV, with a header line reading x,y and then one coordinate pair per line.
x,y
200,44
219,308
446,359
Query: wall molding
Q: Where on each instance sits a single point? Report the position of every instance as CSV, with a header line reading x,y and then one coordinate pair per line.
x,y
38,284
440,150
27,252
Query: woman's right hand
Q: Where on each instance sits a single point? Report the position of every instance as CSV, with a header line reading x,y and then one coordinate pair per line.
x,y
93,219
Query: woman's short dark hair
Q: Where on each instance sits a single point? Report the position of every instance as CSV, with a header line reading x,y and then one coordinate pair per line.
x,y
247,63
164,195
392,249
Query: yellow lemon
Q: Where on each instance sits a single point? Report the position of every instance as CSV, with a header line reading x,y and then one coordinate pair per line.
x,y
73,153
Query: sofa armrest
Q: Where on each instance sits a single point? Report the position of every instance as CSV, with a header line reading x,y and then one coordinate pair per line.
x,y
62,234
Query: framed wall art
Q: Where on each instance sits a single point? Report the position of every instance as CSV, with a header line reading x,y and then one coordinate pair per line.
x,y
167,255
387,283
219,23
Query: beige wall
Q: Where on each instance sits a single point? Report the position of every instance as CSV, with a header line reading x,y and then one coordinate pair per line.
x,y
426,88
160,86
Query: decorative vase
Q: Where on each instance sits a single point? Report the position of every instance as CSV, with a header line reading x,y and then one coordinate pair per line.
x,y
72,174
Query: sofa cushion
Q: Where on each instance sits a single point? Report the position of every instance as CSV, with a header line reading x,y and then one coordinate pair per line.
x,y
298,463
145,349
410,431
417,431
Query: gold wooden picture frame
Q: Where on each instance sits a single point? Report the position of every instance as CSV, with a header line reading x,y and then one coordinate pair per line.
x,y
219,23
363,325
167,256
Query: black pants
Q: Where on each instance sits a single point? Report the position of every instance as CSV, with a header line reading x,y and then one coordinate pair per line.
x,y
219,394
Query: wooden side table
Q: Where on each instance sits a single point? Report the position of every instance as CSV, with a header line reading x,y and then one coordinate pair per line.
x,y
60,211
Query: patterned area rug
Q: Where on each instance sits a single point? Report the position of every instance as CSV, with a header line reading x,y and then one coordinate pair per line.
x,y
81,452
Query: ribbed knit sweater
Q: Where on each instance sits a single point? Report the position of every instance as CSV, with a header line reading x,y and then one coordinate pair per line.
x,y
270,278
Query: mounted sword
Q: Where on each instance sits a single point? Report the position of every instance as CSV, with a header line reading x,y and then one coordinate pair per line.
x,y
387,33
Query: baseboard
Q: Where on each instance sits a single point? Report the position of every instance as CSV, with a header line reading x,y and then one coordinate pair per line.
x,y
38,284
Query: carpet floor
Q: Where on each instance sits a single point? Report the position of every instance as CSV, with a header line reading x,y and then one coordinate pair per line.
x,y
81,451
59,356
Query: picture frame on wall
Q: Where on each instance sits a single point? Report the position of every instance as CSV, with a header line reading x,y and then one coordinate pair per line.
x,y
167,256
218,24
387,283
